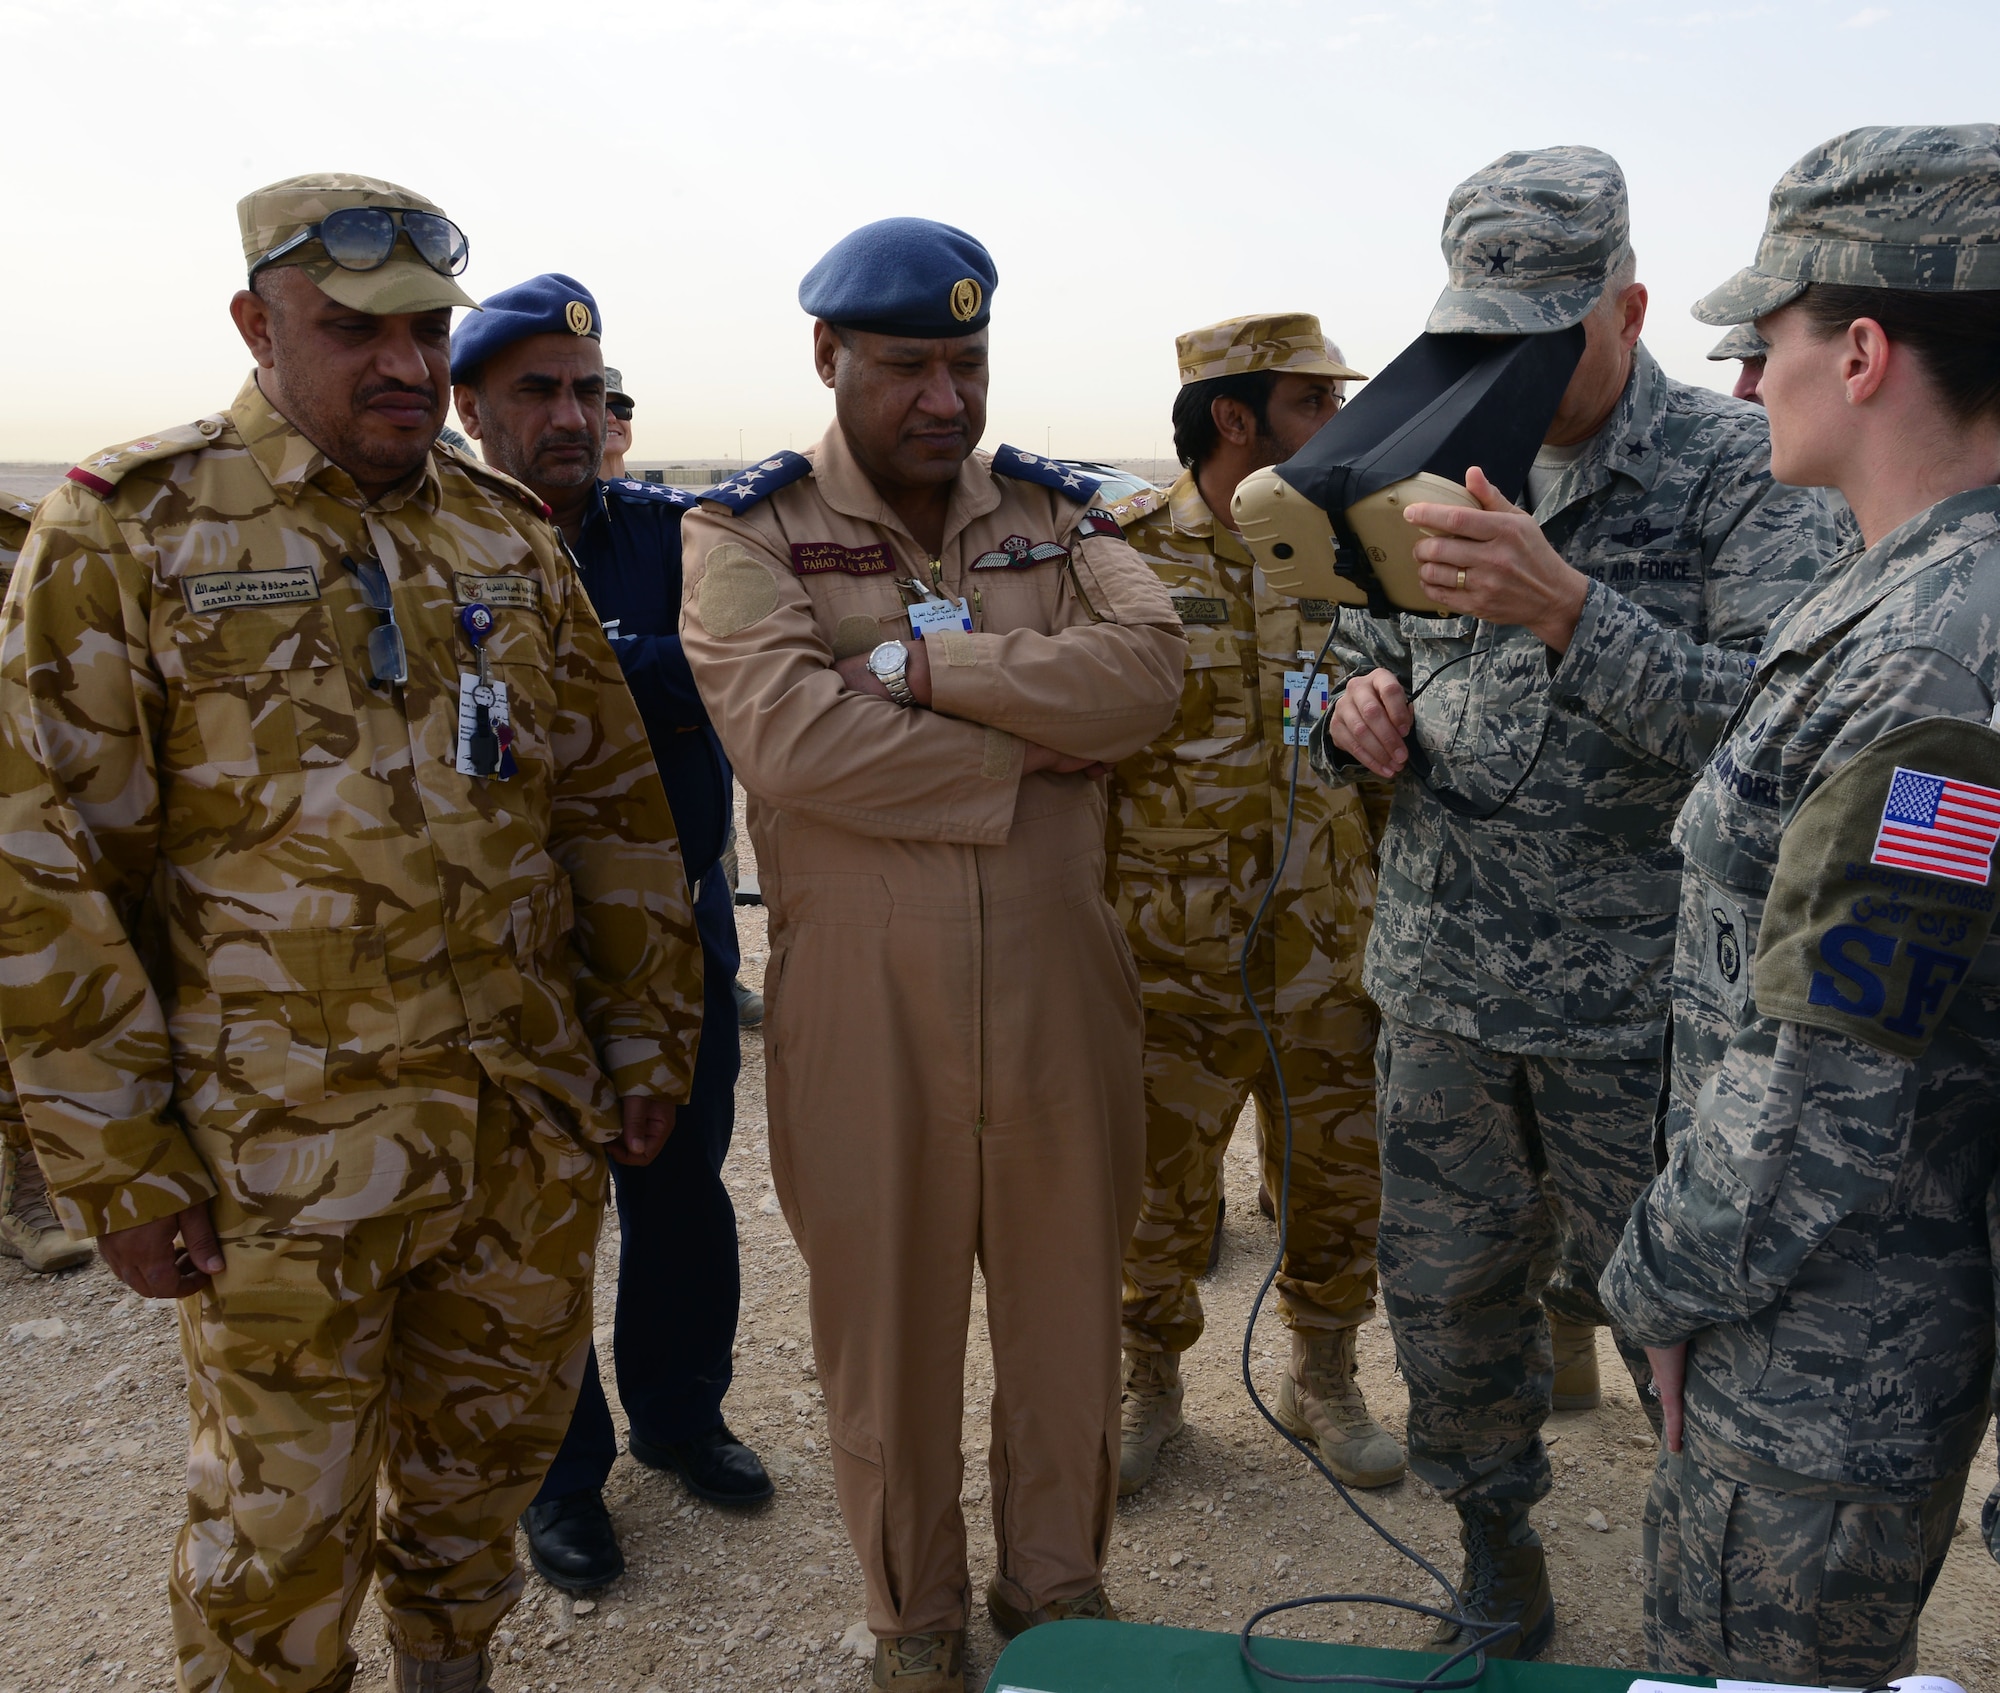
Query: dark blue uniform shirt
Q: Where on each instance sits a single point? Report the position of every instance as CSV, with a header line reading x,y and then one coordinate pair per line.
x,y
630,559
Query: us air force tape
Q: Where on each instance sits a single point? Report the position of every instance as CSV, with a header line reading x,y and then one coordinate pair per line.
x,y
1884,893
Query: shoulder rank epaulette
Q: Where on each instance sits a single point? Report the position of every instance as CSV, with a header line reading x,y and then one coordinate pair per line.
x,y
500,482
626,488
1134,508
102,472
757,482
1066,479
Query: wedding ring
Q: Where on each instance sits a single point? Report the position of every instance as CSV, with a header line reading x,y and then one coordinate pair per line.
x,y
1461,579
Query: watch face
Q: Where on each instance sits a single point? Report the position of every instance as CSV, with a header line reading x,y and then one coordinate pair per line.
x,y
888,658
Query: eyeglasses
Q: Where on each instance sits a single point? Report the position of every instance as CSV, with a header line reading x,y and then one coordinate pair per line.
x,y
363,237
387,657
620,409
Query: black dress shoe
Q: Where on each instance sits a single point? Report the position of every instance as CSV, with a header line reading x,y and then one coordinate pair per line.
x,y
716,1466
570,1542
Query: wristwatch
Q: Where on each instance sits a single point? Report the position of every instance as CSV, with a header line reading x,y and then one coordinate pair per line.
x,y
889,664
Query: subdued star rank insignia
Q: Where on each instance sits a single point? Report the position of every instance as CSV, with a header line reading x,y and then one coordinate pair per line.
x,y
577,315
965,298
1496,261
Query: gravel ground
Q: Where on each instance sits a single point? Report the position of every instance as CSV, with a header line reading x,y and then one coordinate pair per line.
x,y
90,1394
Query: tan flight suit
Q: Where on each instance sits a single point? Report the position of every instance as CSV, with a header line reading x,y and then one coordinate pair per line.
x,y
1196,822
952,1022
268,947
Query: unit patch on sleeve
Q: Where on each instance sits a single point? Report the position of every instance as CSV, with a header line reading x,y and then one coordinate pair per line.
x,y
510,593
1883,896
1098,522
227,590
814,558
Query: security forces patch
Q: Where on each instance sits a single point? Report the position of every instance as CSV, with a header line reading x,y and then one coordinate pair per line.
x,y
1066,479
758,482
1868,948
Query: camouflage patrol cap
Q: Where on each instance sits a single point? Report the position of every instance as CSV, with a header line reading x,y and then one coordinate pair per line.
x,y
273,215
1530,240
1742,342
1285,341
1915,206
614,386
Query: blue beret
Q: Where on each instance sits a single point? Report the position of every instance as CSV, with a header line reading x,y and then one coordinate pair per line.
x,y
543,305
903,276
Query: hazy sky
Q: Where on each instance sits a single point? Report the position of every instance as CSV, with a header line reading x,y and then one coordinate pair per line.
x,y
1137,167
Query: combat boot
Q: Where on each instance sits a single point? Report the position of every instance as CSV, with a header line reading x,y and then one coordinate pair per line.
x,y
1506,1579
1149,1415
1319,1400
1011,1620
920,1663
473,1674
28,1227
1577,1387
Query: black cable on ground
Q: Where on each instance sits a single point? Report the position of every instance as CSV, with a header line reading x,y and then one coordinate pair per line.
x,y
1479,1633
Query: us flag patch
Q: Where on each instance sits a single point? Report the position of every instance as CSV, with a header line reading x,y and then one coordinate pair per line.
x,y
1938,826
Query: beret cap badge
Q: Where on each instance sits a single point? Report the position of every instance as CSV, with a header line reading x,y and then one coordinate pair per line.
x,y
966,295
577,315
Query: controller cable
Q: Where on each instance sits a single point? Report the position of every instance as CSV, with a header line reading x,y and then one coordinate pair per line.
x,y
1479,1632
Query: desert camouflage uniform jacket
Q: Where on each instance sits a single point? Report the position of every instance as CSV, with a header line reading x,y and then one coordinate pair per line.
x,y
1821,1230
264,938
1548,927
1197,818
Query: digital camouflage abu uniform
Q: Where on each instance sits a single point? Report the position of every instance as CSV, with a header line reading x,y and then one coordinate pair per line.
x,y
1196,821
1520,961
1821,1237
273,950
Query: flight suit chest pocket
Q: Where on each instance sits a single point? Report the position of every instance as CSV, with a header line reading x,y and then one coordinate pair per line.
x,y
262,692
293,1016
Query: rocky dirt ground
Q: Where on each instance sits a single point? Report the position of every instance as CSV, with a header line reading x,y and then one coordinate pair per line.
x,y
91,1407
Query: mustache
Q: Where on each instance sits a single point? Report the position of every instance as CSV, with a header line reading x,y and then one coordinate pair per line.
x,y
389,385
563,438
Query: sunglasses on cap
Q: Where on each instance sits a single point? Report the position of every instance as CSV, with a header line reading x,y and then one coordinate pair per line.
x,y
620,409
363,237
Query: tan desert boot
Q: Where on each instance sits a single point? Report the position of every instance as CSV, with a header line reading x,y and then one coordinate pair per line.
x,y
1319,1400
1011,1620
1577,1386
28,1227
472,1674
1506,1579
920,1663
1149,1415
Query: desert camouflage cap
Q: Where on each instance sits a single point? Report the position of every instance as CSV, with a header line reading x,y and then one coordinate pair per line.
x,y
274,214
1742,342
1287,341
1915,206
1529,241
